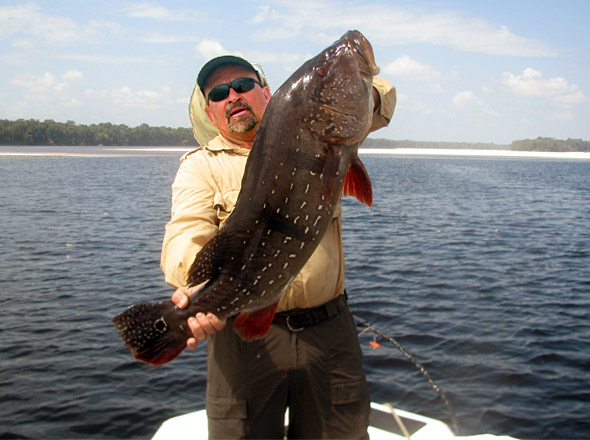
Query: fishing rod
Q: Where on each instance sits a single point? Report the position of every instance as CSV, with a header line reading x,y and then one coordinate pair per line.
x,y
416,363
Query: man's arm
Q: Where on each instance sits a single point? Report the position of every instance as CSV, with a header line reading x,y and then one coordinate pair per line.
x,y
193,222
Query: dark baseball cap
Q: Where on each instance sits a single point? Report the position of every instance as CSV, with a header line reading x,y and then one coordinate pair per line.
x,y
224,60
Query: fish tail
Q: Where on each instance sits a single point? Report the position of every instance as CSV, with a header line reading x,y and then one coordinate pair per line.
x,y
154,332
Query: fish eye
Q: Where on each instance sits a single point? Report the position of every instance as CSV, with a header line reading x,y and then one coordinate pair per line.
x,y
322,71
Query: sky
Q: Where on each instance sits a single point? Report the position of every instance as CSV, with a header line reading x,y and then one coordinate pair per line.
x,y
465,71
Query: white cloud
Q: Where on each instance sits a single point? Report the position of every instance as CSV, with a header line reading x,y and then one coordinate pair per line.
x,y
531,83
149,99
464,99
108,59
156,12
28,19
405,66
72,75
262,16
405,103
467,100
40,85
158,38
323,20
48,86
212,48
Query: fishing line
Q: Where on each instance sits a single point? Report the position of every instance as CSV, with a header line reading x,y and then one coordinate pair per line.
x,y
417,364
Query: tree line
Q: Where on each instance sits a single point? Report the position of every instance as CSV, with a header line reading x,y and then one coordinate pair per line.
x,y
49,132
388,143
550,144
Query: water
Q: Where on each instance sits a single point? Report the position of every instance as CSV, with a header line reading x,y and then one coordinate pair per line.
x,y
479,267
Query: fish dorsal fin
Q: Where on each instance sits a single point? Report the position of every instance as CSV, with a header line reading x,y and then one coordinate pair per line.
x,y
204,267
357,182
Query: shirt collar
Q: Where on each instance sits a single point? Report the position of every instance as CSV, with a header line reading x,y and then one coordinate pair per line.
x,y
219,143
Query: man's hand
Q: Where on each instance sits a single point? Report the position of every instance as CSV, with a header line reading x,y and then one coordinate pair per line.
x,y
201,325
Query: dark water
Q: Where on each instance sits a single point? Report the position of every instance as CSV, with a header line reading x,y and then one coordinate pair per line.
x,y
479,267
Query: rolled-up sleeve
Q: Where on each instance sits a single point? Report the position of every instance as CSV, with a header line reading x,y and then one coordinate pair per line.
x,y
384,113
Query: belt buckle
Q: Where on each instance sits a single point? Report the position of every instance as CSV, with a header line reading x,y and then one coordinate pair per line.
x,y
290,327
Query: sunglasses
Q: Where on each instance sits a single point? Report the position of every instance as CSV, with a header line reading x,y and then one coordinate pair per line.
x,y
240,85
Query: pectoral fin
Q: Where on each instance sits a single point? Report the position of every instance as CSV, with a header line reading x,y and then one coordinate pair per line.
x,y
357,182
255,325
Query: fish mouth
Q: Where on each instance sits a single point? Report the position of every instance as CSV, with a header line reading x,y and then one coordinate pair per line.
x,y
364,49
338,110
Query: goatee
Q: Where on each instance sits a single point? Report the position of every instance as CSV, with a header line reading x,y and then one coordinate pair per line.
x,y
243,123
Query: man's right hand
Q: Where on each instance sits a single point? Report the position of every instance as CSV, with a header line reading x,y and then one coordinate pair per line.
x,y
202,325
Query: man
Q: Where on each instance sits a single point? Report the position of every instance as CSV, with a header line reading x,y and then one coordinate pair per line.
x,y
310,361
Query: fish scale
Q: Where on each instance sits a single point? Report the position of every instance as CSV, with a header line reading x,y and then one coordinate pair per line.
x,y
305,147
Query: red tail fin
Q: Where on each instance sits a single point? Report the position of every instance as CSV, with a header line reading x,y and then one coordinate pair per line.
x,y
357,182
255,325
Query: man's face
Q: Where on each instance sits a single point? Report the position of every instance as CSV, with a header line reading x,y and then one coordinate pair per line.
x,y
238,115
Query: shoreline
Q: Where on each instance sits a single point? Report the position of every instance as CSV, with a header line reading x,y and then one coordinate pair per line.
x,y
46,151
475,153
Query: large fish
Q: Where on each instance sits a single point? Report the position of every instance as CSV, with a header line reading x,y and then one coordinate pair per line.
x,y
305,153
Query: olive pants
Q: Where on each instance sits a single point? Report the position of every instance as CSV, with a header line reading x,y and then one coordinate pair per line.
x,y
317,373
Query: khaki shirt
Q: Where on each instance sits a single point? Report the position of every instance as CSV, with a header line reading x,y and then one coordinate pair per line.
x,y
204,194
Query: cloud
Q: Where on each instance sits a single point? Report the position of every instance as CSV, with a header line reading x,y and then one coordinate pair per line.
x,y
160,13
48,86
464,99
127,97
108,59
467,100
407,67
40,85
158,38
405,103
212,48
29,20
531,83
262,16
73,75
149,99
386,24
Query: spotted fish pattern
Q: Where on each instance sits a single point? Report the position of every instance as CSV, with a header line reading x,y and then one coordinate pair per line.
x,y
305,154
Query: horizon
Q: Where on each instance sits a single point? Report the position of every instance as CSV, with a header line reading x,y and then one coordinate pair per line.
x,y
465,72
375,138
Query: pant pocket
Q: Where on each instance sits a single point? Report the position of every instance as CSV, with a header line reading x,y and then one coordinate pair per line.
x,y
349,392
226,407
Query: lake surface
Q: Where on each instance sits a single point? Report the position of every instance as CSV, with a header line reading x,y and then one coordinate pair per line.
x,y
478,266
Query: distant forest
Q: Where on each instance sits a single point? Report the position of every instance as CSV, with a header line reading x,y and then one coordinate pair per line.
x,y
550,144
49,132
388,143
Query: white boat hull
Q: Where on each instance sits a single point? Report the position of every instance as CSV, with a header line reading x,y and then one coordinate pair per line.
x,y
383,426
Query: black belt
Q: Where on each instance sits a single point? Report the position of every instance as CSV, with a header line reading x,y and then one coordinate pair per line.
x,y
297,319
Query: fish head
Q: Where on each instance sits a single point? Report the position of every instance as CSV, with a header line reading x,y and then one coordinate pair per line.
x,y
339,82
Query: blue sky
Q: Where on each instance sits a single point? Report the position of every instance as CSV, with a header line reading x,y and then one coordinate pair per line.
x,y
467,71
